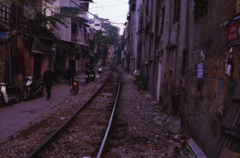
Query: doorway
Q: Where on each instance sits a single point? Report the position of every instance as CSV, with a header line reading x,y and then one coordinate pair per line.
x,y
72,63
37,66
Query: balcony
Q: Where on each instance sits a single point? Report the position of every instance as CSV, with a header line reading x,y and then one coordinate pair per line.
x,y
86,40
80,39
69,10
77,38
83,15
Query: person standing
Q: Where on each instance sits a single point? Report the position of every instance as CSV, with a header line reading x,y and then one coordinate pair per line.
x,y
48,77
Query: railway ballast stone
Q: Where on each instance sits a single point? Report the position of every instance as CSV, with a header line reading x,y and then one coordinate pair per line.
x,y
143,134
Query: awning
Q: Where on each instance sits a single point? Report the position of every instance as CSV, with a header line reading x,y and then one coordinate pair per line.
x,y
42,47
89,31
91,53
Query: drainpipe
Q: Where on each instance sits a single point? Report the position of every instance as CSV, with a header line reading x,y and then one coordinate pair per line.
x,y
176,56
187,23
169,29
11,82
187,48
10,63
9,47
154,40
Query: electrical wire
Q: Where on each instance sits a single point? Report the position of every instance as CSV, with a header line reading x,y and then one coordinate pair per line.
x,y
91,13
107,6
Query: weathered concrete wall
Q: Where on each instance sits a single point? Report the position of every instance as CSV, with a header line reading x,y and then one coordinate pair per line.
x,y
209,98
201,103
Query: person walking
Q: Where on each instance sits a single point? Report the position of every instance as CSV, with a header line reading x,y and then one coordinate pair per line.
x,y
48,77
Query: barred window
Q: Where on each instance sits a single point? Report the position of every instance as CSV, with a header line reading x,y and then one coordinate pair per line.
x,y
176,11
200,8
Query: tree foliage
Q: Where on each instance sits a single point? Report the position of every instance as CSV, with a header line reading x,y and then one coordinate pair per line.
x,y
31,18
112,32
104,40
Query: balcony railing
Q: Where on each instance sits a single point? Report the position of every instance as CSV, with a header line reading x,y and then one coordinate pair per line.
x,y
83,14
80,39
77,38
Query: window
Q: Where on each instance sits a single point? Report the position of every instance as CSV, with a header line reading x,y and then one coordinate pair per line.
x,y
133,4
176,11
4,13
97,24
200,8
74,28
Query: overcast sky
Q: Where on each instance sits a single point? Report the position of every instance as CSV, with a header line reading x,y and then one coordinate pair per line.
x,y
114,10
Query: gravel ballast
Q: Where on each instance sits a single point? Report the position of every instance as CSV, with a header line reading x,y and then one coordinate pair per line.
x,y
143,136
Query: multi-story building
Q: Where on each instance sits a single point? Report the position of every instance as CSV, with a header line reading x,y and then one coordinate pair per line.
x,y
29,42
185,55
75,30
18,33
99,23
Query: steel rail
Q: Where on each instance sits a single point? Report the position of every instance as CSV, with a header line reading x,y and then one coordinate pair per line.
x,y
46,141
111,119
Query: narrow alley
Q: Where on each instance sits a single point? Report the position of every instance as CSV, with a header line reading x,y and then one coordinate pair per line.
x,y
168,70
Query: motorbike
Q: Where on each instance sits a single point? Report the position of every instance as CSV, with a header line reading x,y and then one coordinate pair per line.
x,y
100,70
75,87
89,75
32,87
9,94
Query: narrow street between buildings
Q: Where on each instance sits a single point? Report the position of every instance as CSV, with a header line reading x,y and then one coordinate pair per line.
x,y
148,130
180,65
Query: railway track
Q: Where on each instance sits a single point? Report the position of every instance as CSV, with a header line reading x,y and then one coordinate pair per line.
x,y
86,131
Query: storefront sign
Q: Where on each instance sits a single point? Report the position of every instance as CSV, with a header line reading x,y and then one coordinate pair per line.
x,y
233,37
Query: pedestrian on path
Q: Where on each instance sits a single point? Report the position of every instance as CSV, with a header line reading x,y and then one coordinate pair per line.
x,y
48,77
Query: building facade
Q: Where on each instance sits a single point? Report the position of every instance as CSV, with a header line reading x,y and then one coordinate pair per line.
x,y
75,31
188,53
28,44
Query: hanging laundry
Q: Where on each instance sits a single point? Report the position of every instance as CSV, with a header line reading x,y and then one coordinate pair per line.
x,y
202,58
228,63
200,70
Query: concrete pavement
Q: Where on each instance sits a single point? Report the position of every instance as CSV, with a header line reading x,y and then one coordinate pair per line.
x,y
20,116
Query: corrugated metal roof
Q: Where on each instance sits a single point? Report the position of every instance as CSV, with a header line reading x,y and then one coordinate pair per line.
x,y
39,46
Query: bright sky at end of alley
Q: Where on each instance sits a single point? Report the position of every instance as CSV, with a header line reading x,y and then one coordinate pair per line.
x,y
114,10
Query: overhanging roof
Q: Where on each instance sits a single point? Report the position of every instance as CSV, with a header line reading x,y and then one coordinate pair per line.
x,y
40,46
